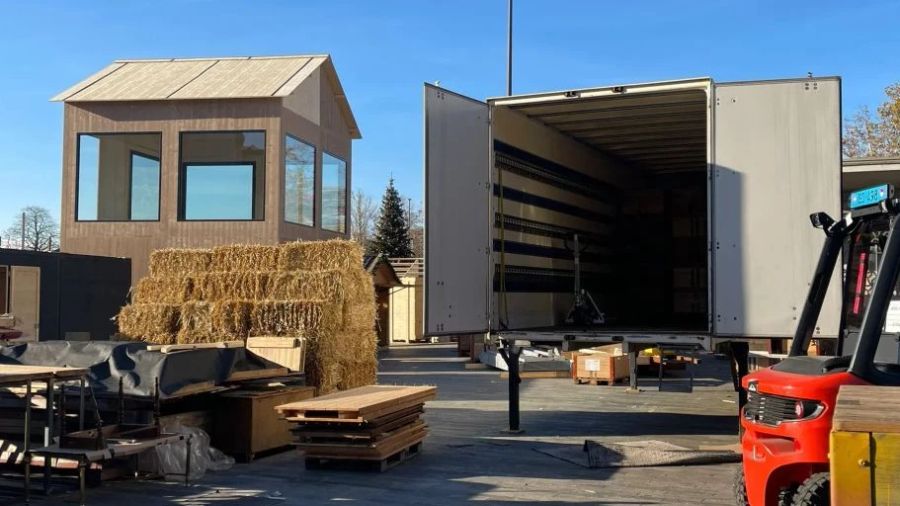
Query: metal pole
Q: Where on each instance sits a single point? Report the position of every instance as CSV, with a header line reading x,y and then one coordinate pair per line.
x,y
509,48
22,246
81,404
510,353
48,434
26,444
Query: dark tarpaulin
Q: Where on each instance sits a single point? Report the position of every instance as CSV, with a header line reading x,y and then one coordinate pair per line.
x,y
110,360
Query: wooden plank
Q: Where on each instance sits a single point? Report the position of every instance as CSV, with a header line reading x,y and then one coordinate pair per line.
x,y
360,403
380,451
194,388
274,342
866,408
287,352
850,482
171,348
14,373
253,374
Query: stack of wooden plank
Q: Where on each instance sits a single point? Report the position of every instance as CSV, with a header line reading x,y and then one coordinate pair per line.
x,y
375,426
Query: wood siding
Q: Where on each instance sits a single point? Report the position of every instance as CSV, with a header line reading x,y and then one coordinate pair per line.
x,y
136,240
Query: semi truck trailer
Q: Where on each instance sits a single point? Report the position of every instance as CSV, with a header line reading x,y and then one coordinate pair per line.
x,y
688,201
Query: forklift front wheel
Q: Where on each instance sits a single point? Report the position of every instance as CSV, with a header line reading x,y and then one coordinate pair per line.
x,y
815,491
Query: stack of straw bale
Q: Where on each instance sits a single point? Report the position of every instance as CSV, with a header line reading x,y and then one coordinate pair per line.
x,y
316,290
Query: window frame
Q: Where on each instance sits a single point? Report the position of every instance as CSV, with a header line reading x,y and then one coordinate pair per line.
x,y
346,230
183,186
77,185
131,155
182,175
316,182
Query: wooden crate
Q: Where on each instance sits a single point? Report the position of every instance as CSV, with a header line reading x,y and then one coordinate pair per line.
x,y
865,446
599,367
287,352
246,422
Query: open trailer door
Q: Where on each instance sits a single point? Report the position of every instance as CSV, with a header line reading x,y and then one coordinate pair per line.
x,y
457,213
777,159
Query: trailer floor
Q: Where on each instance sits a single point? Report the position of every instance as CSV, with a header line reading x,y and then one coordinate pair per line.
x,y
467,457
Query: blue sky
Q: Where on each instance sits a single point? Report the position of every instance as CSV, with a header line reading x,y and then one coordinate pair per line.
x,y
384,50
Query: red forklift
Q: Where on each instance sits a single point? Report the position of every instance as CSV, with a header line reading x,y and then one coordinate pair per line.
x,y
786,420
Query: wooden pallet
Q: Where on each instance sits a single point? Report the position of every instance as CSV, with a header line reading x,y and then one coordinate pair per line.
x,y
399,439
380,465
357,405
598,381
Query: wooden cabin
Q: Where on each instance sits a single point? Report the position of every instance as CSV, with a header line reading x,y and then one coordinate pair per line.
x,y
406,320
203,152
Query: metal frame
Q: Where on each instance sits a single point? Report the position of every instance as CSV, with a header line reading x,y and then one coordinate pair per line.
x,y
77,184
316,182
181,173
346,194
131,154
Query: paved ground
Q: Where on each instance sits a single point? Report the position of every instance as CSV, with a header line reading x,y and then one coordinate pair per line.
x,y
468,458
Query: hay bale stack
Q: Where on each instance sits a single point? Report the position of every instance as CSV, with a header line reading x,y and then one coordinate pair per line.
x,y
154,323
316,290
244,257
320,255
179,262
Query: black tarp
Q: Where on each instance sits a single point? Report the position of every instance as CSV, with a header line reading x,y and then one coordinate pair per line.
x,y
110,360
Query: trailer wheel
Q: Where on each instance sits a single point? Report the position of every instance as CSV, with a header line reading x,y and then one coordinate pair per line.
x,y
740,488
815,491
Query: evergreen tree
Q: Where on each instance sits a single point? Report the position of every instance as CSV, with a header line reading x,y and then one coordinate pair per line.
x,y
392,231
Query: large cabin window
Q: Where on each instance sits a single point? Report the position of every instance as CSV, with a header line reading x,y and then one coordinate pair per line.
x,y
117,177
222,175
299,182
334,193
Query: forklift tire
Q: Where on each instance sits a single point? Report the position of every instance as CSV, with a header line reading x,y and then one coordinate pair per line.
x,y
815,491
786,496
740,488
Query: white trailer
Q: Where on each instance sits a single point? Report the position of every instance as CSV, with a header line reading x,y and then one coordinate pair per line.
x,y
692,196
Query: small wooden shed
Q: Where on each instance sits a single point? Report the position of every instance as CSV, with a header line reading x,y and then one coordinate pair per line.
x,y
384,278
406,320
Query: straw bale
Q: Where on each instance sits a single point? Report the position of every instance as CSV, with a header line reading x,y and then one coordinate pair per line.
x,y
218,286
231,318
302,285
153,323
165,290
244,257
357,373
179,262
312,318
195,324
320,255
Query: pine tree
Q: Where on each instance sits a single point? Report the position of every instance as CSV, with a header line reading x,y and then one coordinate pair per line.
x,y
392,231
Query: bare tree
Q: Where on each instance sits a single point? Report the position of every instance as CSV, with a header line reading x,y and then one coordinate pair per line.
x,y
363,213
416,218
37,231
878,136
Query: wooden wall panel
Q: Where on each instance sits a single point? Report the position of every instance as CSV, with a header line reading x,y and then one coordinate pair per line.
x,y
136,239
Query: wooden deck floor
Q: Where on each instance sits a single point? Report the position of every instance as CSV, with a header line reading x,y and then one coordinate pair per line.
x,y
467,457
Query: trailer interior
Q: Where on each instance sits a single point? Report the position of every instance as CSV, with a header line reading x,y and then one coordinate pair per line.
x,y
626,171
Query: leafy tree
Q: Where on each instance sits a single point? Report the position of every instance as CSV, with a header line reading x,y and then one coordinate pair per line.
x,y
868,136
392,230
39,230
